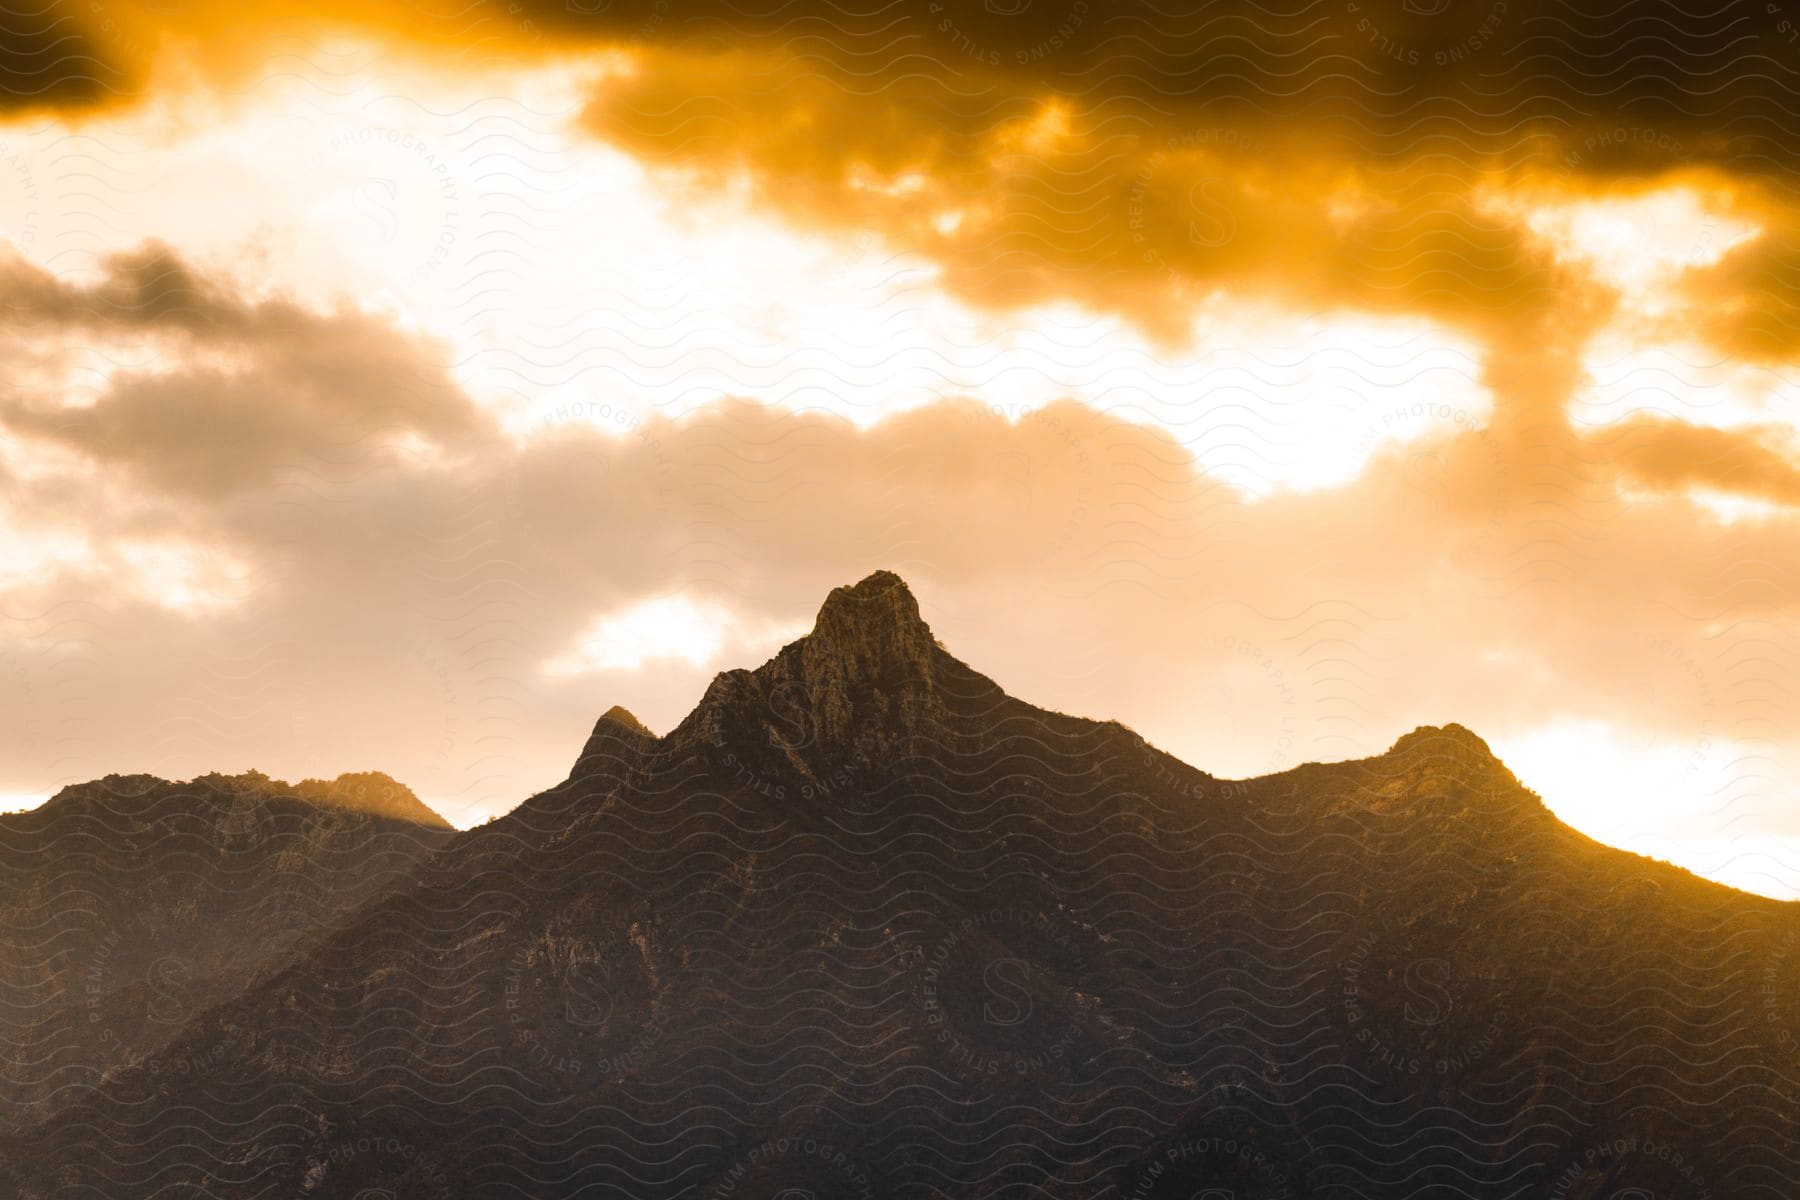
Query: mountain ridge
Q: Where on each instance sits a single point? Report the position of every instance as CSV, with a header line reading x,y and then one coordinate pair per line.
x,y
130,902
862,898
871,634
374,793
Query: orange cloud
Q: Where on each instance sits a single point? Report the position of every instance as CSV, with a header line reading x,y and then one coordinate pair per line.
x,y
1127,157
239,389
1758,462
400,607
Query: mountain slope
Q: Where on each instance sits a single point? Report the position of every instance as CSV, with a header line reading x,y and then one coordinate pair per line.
x,y
864,925
131,903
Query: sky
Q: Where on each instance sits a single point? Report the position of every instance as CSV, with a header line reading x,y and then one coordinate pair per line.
x,y
397,386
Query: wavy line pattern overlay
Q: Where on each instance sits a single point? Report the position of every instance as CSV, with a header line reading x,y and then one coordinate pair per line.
x,y
380,382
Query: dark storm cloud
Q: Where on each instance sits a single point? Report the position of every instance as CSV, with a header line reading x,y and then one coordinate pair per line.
x,y
1370,77
56,55
1337,154
1330,153
1026,198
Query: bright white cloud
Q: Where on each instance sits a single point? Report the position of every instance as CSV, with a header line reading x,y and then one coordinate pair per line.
x,y
563,281
671,627
664,629
186,579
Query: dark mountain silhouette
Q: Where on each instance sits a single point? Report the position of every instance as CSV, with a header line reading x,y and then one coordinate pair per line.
x,y
864,925
130,904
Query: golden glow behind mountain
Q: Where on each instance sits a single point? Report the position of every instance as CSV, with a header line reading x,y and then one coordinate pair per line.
x,y
396,386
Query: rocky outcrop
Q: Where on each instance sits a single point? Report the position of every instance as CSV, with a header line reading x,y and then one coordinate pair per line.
x,y
861,691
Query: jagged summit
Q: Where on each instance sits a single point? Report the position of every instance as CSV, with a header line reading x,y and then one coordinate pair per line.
x,y
870,633
620,715
617,734
881,605
868,677
870,684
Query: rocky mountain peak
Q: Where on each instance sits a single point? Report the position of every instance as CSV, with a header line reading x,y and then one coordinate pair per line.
x,y
874,626
857,688
870,665
620,715
1445,770
1453,743
617,736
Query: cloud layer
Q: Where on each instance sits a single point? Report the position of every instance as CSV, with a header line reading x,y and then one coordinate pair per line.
x,y
1126,156
389,580
239,519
